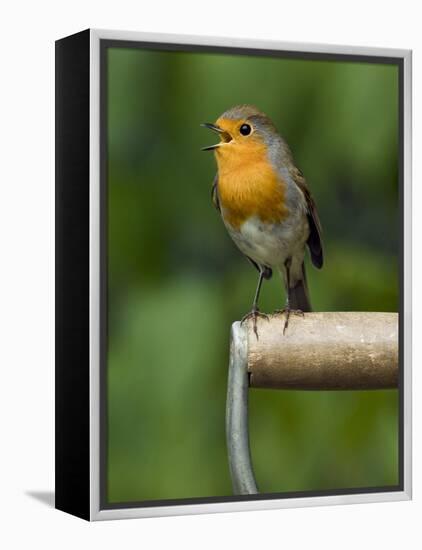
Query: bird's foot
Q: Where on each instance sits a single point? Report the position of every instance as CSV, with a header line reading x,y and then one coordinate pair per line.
x,y
254,314
287,311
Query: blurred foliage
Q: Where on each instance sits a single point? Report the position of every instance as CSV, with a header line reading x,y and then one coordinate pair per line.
x,y
177,282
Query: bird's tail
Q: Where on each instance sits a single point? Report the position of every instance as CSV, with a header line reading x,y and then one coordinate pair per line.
x,y
299,294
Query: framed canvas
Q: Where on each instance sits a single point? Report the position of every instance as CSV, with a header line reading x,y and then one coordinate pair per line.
x,y
198,367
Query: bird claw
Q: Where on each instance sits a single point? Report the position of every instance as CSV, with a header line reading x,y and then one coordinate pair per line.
x,y
254,314
288,312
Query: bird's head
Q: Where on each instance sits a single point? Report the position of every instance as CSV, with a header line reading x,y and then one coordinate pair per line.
x,y
244,132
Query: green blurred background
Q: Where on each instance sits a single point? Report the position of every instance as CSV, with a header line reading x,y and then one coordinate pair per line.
x,y
177,282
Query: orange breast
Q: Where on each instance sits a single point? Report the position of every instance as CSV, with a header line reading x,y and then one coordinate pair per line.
x,y
248,185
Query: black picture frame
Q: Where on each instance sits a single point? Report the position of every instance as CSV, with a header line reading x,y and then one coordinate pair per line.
x,y
81,73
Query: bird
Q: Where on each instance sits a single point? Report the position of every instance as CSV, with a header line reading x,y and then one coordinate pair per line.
x,y
265,204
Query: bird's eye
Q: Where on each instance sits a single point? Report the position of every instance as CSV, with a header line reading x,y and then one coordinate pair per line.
x,y
245,129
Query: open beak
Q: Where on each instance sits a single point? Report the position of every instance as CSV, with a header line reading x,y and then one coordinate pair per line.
x,y
218,130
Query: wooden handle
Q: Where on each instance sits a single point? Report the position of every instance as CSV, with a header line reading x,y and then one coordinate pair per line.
x,y
325,351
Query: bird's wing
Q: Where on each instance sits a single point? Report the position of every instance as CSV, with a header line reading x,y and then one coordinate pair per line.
x,y
214,194
315,236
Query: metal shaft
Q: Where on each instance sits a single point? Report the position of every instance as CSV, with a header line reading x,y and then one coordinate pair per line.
x,y
237,428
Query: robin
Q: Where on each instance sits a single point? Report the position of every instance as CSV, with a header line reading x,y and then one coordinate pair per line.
x,y
265,204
